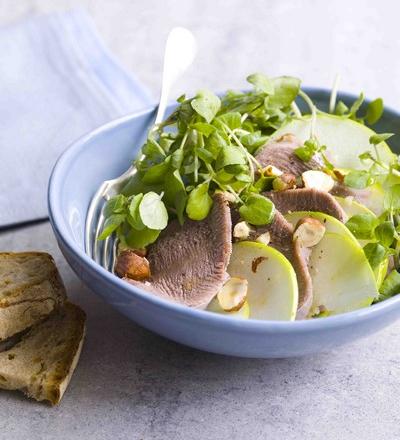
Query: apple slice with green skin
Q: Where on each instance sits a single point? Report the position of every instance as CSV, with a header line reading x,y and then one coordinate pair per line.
x,y
272,284
351,207
331,223
334,225
342,277
344,139
242,313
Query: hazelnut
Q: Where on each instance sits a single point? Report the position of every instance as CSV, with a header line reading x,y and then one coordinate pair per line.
x,y
309,232
233,294
271,171
339,175
318,180
288,137
284,182
241,230
264,238
131,265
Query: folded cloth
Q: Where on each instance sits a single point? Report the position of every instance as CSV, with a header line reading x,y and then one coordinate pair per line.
x,y
57,82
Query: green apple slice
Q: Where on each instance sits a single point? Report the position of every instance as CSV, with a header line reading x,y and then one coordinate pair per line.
x,y
351,207
242,313
331,223
342,277
272,285
335,226
345,139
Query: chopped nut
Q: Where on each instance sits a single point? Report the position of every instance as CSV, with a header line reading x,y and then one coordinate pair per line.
x,y
131,265
272,171
309,232
288,137
233,294
318,180
241,230
228,196
284,182
339,175
264,238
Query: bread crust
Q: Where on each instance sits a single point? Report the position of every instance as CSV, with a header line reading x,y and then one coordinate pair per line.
x,y
30,290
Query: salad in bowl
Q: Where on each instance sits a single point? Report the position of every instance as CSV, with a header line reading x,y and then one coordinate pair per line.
x,y
244,205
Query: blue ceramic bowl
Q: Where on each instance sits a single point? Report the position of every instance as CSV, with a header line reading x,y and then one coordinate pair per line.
x,y
106,153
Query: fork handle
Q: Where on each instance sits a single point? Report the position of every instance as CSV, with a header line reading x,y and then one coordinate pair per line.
x,y
180,50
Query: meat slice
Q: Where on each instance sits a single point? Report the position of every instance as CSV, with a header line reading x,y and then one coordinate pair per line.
x,y
359,195
306,199
281,232
188,263
280,153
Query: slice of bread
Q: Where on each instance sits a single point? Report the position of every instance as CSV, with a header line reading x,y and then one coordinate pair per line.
x,y
30,289
42,362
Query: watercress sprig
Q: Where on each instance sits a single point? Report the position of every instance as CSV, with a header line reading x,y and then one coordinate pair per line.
x,y
206,145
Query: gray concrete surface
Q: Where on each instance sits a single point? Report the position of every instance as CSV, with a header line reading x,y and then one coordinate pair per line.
x,y
132,384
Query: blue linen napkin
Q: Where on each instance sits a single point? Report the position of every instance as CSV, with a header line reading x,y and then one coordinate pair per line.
x,y
57,82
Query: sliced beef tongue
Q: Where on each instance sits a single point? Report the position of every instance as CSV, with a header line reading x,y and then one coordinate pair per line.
x,y
281,233
280,153
188,263
360,195
305,199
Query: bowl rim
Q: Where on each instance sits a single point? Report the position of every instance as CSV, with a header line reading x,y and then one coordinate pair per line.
x,y
58,222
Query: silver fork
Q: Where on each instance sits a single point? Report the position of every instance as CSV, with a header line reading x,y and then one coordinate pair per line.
x,y
180,50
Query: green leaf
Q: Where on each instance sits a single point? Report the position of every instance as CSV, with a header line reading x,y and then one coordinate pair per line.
x,y
152,149
341,109
385,233
358,179
261,83
206,104
203,128
152,210
390,286
134,215
140,239
362,226
307,151
254,140
376,139
391,199
156,173
116,205
173,185
199,202
229,155
233,120
263,184
243,177
367,155
375,254
180,205
257,210
286,88
204,155
374,111
111,224
177,158
356,105
214,143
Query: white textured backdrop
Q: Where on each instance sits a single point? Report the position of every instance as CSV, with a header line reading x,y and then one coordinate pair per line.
x,y
313,39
